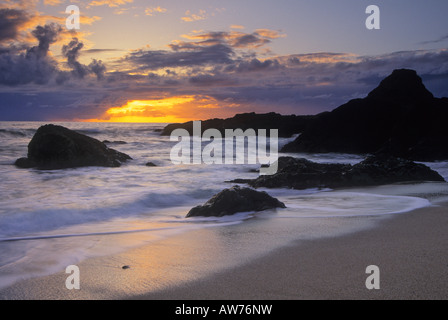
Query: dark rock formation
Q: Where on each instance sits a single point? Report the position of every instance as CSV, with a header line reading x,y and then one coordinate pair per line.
x,y
299,173
56,147
400,118
233,200
287,125
150,164
114,142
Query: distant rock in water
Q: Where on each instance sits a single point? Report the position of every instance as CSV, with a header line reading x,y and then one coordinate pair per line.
x,y
297,173
287,125
56,147
400,118
150,164
114,142
233,200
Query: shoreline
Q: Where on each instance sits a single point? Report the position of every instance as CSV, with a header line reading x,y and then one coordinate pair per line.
x,y
408,248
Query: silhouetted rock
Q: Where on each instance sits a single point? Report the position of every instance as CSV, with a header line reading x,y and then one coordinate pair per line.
x,y
56,147
150,164
297,173
400,118
114,142
233,200
287,125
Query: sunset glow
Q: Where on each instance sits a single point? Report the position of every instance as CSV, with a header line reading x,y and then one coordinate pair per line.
x,y
165,61
164,110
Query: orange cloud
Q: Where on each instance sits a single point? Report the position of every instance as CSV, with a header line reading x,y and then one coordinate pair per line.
x,y
52,2
152,11
190,17
109,3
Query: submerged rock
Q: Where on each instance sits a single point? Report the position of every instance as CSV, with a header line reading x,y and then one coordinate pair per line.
x,y
150,164
56,147
299,173
114,142
233,200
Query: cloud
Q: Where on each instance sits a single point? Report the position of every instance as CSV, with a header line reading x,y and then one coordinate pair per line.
x,y
190,17
46,35
52,2
11,20
109,3
441,39
72,52
151,11
98,68
208,80
253,65
33,65
236,39
181,55
224,71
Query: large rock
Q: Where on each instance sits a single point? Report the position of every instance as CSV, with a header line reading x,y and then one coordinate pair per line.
x,y
400,117
233,200
56,147
287,125
299,173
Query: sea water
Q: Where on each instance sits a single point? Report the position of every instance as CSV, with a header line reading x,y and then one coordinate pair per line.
x,y
50,219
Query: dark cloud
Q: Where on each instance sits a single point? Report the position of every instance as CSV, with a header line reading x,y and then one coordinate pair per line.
x,y
10,22
183,56
249,40
441,39
253,65
72,51
20,65
206,49
208,80
98,68
46,35
32,66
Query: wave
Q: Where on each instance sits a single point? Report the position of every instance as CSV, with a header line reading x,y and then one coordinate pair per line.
x,y
351,204
25,223
71,235
21,133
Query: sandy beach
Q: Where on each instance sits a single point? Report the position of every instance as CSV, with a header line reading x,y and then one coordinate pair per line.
x,y
408,248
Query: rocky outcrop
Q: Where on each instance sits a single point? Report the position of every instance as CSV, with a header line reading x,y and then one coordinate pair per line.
x,y
287,125
297,173
56,147
400,117
234,200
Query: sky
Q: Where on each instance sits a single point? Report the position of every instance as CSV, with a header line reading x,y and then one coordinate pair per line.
x,y
175,61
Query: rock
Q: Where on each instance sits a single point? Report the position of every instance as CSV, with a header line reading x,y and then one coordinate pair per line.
x,y
299,173
400,117
25,163
56,147
114,142
288,125
151,164
126,267
233,200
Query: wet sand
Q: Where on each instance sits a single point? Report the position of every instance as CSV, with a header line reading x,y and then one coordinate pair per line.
x,y
410,251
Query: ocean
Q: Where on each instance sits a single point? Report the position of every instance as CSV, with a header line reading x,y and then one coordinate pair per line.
x,y
55,218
